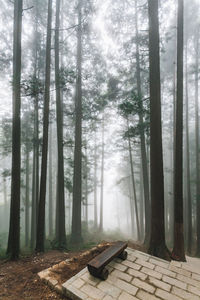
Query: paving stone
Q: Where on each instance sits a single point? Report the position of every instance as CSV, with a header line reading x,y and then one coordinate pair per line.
x,y
92,292
44,273
144,264
125,286
194,290
78,283
109,289
183,294
196,276
166,296
52,282
140,255
107,297
189,280
126,296
176,263
87,277
122,275
75,294
175,282
131,257
137,274
180,271
118,266
159,284
146,296
165,271
143,285
190,268
151,273
131,265
159,262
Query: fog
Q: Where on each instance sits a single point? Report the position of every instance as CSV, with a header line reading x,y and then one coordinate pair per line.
x,y
99,44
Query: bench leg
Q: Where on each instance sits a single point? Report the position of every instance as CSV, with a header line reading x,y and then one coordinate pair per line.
x,y
102,274
123,255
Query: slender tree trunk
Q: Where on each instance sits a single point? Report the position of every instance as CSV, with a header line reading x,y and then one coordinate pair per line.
x,y
157,245
14,228
95,181
27,204
197,143
102,176
178,250
133,185
131,206
60,232
142,204
188,188
76,235
142,137
35,176
41,213
86,187
5,203
50,184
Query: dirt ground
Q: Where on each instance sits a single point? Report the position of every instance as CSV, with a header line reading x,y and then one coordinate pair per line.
x,y
19,280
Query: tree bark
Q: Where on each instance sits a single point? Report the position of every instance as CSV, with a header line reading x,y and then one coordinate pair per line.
x,y
50,184
188,177
178,252
27,204
95,181
102,176
197,143
14,228
142,138
60,232
157,245
41,208
133,185
76,235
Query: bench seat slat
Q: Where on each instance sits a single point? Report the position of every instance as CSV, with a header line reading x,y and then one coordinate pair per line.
x,y
107,255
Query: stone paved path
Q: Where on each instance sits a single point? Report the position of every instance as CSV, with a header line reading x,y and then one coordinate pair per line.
x,y
141,276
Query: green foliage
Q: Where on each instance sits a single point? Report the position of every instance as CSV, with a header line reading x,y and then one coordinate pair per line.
x,y
32,86
66,76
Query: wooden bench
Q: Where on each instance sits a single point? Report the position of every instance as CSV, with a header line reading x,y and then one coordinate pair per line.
x,y
96,266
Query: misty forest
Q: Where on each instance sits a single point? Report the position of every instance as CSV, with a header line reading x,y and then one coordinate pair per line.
x,y
100,133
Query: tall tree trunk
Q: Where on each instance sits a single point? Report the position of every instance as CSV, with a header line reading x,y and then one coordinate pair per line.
x,y
5,203
197,142
131,205
41,207
50,184
14,228
133,185
60,232
187,142
102,176
141,210
86,187
76,235
157,245
35,176
95,180
142,137
27,204
178,252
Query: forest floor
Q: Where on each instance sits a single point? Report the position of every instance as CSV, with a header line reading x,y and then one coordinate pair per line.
x,y
19,279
